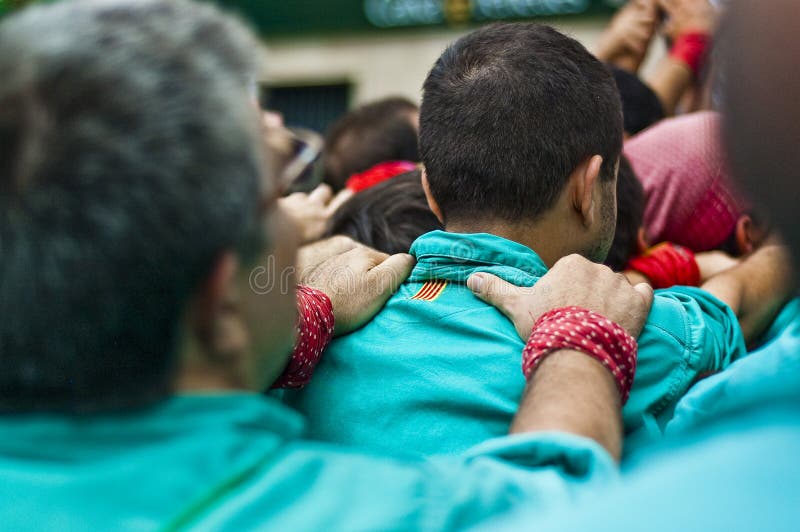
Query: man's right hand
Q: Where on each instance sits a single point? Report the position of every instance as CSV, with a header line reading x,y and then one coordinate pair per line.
x,y
573,281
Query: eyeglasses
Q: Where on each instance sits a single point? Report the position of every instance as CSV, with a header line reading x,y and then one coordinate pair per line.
x,y
300,172
293,154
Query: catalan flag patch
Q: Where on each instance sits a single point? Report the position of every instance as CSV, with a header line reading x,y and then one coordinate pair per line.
x,y
430,290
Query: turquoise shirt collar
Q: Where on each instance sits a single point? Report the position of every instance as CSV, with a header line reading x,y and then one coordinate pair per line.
x,y
68,436
456,256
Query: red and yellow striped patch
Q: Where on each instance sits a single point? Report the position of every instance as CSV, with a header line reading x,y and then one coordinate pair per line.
x,y
430,290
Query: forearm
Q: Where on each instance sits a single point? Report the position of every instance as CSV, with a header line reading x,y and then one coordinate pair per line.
x,y
669,82
755,289
625,61
572,392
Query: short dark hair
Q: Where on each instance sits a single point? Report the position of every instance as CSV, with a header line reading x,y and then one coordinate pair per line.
x,y
388,216
508,112
130,159
630,216
641,108
370,134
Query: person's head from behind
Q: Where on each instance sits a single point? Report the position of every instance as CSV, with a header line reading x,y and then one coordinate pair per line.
x,y
130,187
641,107
388,216
380,131
690,197
520,124
629,238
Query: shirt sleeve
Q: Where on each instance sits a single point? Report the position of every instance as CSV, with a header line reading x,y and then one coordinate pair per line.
x,y
689,334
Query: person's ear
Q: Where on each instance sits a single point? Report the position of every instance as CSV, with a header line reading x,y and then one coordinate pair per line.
x,y
583,180
749,235
431,200
212,299
641,241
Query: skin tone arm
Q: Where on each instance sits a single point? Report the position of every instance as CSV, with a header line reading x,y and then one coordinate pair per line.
x,y
669,81
756,289
570,391
672,78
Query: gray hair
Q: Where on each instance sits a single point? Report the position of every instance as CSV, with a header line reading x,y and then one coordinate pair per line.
x,y
130,157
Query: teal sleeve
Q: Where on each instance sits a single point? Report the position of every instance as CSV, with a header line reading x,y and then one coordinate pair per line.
x,y
739,474
313,486
688,335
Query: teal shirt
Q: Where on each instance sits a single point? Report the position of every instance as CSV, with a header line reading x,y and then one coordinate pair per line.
x,y
728,461
438,370
749,379
237,462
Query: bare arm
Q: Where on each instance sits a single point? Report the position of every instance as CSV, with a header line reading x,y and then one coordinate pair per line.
x,y
669,82
755,289
672,77
570,391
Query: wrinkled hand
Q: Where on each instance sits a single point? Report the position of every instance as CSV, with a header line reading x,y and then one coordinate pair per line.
x,y
711,263
573,281
627,38
684,16
358,280
311,211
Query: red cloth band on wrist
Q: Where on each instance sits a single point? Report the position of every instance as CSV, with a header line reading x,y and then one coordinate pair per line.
x,y
582,330
690,49
378,174
667,265
314,331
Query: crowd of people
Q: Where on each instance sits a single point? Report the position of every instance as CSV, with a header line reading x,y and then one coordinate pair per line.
x,y
557,294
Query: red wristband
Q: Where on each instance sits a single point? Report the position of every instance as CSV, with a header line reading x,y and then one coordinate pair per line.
x,y
314,332
667,265
582,330
690,49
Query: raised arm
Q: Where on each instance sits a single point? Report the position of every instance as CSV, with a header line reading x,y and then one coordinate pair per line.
x,y
689,25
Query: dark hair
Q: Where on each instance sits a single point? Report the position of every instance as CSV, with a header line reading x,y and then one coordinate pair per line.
x,y
508,112
641,108
630,215
388,216
131,159
373,133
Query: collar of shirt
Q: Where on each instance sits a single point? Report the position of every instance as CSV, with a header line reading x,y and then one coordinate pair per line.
x,y
77,437
456,256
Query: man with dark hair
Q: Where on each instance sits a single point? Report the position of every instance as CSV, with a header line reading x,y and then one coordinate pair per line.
x,y
138,335
501,129
377,132
521,133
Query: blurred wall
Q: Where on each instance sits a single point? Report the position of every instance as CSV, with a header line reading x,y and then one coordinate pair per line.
x,y
377,66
